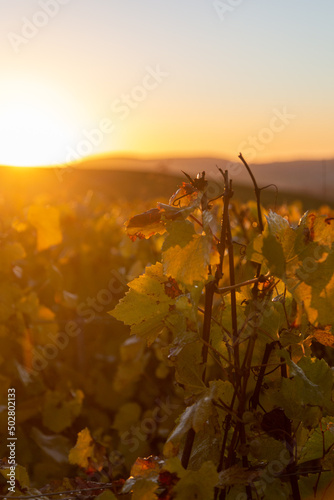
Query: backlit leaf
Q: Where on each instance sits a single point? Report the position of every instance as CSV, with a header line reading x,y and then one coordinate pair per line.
x,y
311,384
180,233
83,449
198,484
144,489
303,257
46,222
145,225
146,304
190,263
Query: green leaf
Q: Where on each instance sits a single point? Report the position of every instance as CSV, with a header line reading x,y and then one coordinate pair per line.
x,y
198,414
323,483
180,232
189,368
235,475
144,489
21,475
199,484
303,257
320,439
190,263
275,489
146,304
311,384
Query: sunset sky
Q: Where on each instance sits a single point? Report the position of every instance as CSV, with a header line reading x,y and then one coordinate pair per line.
x,y
166,78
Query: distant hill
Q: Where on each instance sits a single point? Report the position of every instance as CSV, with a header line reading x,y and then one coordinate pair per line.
x,y
310,177
129,178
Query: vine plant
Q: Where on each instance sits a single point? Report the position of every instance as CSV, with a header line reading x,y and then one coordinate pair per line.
x,y
235,306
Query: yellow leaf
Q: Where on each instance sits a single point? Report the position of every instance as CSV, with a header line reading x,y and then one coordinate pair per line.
x,y
144,489
21,475
46,221
190,263
83,449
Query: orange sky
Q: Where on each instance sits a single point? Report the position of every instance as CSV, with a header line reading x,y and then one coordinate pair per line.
x,y
156,78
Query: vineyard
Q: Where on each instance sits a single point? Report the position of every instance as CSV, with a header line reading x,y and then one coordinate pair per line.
x,y
167,349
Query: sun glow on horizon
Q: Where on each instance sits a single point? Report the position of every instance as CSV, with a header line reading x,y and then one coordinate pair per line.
x,y
34,125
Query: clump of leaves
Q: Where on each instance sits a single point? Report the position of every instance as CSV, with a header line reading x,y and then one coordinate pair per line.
x,y
259,415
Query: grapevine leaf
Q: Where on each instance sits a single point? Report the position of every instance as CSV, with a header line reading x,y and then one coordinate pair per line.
x,y
311,384
303,257
144,489
145,225
146,467
275,489
21,475
46,222
172,444
154,221
188,367
83,450
174,466
180,233
255,250
190,263
266,448
146,304
197,415
328,461
322,335
235,475
318,441
197,484
322,483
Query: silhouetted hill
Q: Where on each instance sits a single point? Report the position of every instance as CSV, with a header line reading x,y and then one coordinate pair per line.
x,y
133,179
310,177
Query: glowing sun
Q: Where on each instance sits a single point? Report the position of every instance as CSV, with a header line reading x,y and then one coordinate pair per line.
x,y
35,125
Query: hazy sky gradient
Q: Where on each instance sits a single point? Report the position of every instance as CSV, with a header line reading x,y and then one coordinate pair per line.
x,y
234,68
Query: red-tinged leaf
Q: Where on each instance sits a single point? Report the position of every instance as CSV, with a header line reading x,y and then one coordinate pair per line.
x,y
168,479
172,289
323,336
153,221
145,225
146,467
144,489
149,217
